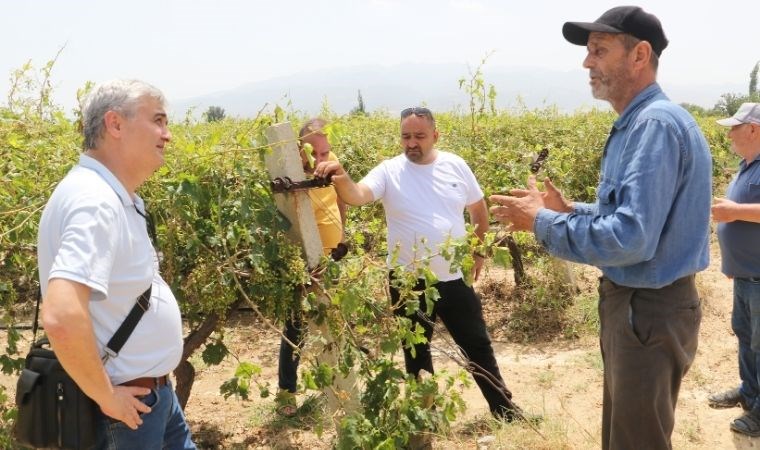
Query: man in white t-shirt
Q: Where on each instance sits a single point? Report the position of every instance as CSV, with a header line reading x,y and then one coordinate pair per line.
x,y
425,193
96,259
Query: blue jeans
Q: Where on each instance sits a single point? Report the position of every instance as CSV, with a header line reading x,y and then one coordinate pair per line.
x,y
164,427
745,321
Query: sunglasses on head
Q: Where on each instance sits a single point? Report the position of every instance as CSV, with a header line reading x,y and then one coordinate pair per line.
x,y
417,111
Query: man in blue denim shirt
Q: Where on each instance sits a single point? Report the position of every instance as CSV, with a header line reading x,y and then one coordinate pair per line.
x,y
738,217
648,230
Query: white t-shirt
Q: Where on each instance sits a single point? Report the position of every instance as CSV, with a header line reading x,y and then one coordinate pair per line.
x,y
91,233
424,202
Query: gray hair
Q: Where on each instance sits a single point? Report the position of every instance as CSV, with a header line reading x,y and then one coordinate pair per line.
x,y
121,96
630,41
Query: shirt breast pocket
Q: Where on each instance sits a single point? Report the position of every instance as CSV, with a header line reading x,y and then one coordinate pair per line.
x,y
606,196
754,192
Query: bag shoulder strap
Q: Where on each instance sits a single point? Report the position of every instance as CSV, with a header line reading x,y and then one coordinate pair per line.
x,y
128,326
141,306
35,325
122,334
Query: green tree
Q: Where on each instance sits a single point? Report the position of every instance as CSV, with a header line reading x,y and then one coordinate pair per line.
x,y
480,93
753,80
754,94
729,103
359,109
214,113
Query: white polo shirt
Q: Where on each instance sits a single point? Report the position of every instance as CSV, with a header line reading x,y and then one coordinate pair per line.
x,y
424,205
91,233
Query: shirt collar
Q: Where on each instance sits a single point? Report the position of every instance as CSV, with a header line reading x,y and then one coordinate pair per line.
x,y
743,164
93,164
638,101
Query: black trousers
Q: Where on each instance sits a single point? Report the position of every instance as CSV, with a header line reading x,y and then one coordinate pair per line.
x,y
287,367
648,340
461,312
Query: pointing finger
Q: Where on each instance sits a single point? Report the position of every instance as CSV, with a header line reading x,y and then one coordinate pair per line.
x,y
532,183
520,192
498,199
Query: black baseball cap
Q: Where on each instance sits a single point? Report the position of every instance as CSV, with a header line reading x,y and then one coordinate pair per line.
x,y
621,19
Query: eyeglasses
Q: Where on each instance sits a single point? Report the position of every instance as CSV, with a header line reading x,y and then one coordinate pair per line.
x,y
417,111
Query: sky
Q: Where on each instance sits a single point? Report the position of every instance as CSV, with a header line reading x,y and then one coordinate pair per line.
x,y
195,47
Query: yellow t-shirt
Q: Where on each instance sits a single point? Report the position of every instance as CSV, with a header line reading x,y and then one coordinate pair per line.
x,y
325,203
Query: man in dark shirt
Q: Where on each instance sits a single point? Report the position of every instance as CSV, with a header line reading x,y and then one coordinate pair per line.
x,y
738,217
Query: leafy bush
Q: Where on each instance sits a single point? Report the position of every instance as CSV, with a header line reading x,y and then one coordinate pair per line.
x,y
224,242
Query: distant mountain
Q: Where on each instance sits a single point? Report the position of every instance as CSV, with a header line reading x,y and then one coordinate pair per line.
x,y
434,85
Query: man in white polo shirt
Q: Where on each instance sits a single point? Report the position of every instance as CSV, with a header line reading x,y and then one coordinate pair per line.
x,y
96,259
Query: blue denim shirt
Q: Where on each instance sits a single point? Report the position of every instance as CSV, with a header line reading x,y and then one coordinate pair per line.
x,y
650,224
740,258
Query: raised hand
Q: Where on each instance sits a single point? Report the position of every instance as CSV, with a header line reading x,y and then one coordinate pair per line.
x,y
326,168
554,200
519,209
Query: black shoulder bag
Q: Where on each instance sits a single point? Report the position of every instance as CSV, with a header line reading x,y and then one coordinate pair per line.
x,y
52,410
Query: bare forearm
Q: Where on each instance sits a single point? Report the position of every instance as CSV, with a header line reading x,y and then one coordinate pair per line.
x,y
66,318
351,193
78,355
724,210
480,229
479,218
69,328
747,212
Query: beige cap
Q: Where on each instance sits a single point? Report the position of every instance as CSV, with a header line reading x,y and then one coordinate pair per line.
x,y
747,113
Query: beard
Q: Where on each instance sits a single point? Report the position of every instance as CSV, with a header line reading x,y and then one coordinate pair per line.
x,y
414,154
609,85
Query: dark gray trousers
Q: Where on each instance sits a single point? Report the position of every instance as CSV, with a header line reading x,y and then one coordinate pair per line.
x,y
648,341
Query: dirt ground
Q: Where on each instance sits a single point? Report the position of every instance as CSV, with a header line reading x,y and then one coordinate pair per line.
x,y
560,379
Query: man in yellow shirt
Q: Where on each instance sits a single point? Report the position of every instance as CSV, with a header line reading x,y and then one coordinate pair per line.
x,y
330,213
329,210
